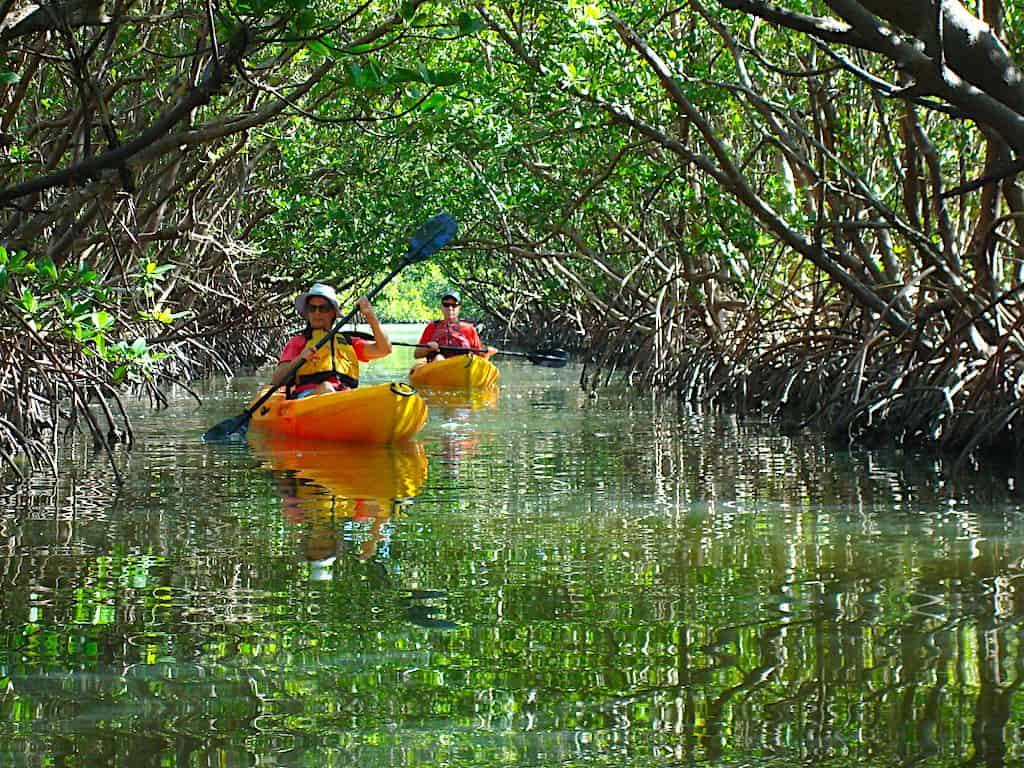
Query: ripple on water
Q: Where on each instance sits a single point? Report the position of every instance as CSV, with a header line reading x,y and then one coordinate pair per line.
x,y
573,582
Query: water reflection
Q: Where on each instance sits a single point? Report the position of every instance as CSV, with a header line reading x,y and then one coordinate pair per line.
x,y
341,494
571,582
456,414
462,399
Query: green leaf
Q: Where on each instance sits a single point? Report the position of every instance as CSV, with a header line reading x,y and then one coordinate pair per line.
x,y
361,48
355,73
319,48
470,25
48,269
29,301
434,102
305,20
403,75
407,11
445,78
80,334
102,320
138,347
157,270
366,78
9,78
373,76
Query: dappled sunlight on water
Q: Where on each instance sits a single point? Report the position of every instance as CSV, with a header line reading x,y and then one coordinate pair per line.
x,y
539,579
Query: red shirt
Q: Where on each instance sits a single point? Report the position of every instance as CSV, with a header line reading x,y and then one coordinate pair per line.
x,y
457,334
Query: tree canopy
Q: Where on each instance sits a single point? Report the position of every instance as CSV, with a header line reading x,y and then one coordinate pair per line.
x,y
808,209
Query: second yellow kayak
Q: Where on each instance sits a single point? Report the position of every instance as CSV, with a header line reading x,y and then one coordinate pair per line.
x,y
459,372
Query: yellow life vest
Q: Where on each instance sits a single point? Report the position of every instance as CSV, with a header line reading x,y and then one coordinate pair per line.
x,y
336,356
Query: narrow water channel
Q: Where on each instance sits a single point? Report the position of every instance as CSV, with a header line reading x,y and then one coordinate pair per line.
x,y
541,579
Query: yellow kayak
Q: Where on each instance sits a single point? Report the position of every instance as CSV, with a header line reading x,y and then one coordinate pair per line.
x,y
459,372
382,413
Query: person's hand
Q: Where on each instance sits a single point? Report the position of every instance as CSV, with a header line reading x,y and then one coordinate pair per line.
x,y
433,346
365,307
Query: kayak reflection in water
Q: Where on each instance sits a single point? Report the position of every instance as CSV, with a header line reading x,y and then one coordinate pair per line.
x,y
341,493
331,524
343,500
335,366
449,331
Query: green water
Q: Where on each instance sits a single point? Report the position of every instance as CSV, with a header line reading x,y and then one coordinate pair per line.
x,y
544,580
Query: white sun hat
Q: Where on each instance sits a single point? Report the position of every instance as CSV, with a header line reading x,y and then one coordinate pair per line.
x,y
318,289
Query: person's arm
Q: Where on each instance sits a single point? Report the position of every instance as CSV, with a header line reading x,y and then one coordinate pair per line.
x,y
287,360
474,341
281,373
381,344
427,337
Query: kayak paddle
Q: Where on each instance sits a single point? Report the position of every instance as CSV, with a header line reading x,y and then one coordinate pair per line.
x,y
431,237
549,358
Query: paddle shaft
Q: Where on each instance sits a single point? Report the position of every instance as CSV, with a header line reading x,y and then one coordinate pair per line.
x,y
444,348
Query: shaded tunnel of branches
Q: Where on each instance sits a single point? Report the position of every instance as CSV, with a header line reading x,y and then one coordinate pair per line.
x,y
813,217
884,303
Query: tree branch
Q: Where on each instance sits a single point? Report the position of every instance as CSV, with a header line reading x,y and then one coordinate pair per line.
x,y
216,75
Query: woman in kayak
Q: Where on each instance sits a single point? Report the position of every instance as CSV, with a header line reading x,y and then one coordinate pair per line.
x,y
335,366
449,331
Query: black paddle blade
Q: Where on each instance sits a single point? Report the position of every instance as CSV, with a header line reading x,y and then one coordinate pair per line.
x,y
227,428
431,237
549,358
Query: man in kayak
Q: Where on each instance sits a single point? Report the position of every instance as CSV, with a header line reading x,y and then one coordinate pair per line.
x,y
449,331
335,366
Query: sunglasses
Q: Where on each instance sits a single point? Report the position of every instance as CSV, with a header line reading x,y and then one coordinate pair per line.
x,y
319,308
448,304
